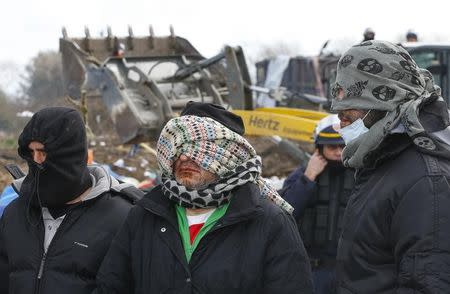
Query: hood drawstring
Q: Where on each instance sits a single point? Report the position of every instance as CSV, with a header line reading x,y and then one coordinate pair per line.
x,y
35,191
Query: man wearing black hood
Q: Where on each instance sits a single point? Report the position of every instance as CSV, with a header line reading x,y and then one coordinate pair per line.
x,y
319,193
54,236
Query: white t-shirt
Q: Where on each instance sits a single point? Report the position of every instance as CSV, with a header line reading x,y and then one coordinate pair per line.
x,y
199,218
51,225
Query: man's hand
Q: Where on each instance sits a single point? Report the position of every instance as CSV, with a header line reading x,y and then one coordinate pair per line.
x,y
316,165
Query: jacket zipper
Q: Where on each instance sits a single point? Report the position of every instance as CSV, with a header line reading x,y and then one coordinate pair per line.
x,y
41,266
40,271
44,255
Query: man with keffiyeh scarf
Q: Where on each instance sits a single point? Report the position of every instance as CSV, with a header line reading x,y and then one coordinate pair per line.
x,y
213,225
396,228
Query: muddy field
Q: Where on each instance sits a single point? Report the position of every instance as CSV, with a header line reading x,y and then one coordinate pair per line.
x,y
140,163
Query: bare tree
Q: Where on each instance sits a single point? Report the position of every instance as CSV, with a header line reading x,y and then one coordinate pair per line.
x,y
10,77
4,111
43,85
9,122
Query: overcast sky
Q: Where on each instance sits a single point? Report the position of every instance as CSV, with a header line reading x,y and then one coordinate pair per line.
x,y
30,26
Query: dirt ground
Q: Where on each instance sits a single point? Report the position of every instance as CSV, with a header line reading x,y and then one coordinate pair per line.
x,y
275,163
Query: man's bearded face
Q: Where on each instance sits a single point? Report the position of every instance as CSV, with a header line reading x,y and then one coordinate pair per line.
x,y
190,174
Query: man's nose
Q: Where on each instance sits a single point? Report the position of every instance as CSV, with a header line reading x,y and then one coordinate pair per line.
x,y
183,157
38,157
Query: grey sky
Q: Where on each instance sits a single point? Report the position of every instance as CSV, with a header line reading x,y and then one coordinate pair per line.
x,y
29,26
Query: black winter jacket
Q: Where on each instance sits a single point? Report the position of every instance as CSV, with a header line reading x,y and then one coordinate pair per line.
x,y
254,248
396,236
76,251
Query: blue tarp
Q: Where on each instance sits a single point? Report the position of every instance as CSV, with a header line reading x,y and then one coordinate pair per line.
x,y
7,196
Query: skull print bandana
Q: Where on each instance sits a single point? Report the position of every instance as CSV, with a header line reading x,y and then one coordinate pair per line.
x,y
383,76
216,149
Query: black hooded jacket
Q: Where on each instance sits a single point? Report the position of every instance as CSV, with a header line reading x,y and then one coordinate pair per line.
x,y
396,228
74,255
254,248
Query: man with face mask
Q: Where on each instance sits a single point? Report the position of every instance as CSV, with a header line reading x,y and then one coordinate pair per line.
x,y
319,194
396,236
213,225
54,236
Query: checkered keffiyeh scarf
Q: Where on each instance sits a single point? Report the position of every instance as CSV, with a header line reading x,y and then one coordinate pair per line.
x,y
216,149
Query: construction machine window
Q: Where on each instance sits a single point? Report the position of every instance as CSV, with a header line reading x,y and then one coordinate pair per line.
x,y
429,60
156,70
162,70
134,76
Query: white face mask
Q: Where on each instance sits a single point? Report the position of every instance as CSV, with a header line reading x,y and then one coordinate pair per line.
x,y
354,130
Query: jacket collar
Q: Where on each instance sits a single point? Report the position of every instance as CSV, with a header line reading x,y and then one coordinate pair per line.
x,y
245,204
435,120
390,147
102,182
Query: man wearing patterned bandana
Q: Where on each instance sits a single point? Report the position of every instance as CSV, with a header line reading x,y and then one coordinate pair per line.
x,y
396,236
213,225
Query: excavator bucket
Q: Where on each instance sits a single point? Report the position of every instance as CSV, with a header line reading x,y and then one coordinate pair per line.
x,y
145,81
